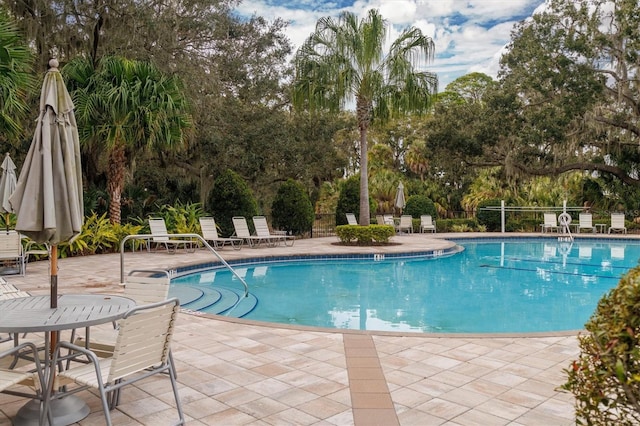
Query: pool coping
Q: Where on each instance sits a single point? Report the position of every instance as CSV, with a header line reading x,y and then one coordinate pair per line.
x,y
369,253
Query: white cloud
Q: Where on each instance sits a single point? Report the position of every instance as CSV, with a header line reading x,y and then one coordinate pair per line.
x,y
469,34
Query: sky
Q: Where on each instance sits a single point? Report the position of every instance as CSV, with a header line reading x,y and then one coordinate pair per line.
x,y
469,35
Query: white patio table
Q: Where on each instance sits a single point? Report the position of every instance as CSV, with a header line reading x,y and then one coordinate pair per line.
x,y
34,314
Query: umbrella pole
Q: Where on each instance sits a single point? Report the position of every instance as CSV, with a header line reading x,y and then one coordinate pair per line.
x,y
53,257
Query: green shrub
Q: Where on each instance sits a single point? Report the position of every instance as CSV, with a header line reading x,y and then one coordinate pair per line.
x,y
365,235
291,209
465,225
417,205
605,379
348,200
489,218
230,197
97,236
181,218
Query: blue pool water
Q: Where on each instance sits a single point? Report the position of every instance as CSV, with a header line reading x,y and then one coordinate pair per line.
x,y
533,285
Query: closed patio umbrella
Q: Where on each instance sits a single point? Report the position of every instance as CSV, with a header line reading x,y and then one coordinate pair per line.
x,y
7,186
400,200
48,199
48,195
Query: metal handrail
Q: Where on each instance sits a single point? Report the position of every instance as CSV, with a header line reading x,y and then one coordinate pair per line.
x,y
197,236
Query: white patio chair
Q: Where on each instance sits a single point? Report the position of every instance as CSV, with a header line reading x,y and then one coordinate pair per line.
x,y
32,248
142,289
242,231
11,251
550,223
380,219
406,224
585,221
210,234
262,230
426,223
351,219
617,223
160,237
142,350
16,381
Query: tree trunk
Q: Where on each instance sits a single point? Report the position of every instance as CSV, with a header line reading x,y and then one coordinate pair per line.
x,y
115,181
364,117
365,214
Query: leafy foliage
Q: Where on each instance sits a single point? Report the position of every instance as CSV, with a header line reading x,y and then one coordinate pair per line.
x,y
122,108
97,236
348,200
490,218
345,58
605,379
291,209
365,235
181,218
230,197
16,79
418,205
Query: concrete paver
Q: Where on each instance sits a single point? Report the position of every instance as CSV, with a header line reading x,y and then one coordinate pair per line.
x,y
235,372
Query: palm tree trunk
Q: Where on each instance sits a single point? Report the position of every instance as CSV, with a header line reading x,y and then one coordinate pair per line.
x,y
365,214
363,112
115,181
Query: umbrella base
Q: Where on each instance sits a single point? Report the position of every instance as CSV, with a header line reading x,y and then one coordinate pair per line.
x,y
68,410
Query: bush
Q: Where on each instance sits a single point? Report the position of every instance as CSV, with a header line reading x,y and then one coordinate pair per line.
x,y
348,200
365,235
417,205
230,197
291,209
459,225
490,218
606,378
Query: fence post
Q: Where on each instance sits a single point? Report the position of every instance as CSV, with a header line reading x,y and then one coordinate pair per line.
x,y
502,215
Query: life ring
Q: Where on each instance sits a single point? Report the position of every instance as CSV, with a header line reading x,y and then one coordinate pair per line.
x,y
564,219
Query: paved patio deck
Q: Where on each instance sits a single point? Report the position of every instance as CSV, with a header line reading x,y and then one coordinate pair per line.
x,y
237,372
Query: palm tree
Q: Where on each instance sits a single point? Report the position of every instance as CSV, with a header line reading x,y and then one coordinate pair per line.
x,y
344,60
123,107
15,78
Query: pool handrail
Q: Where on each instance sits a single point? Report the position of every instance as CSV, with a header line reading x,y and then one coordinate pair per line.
x,y
196,236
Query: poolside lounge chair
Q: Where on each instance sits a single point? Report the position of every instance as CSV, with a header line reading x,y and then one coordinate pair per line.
x,y
262,230
585,221
426,223
142,350
617,223
210,234
242,231
380,219
388,220
406,224
550,223
351,219
160,236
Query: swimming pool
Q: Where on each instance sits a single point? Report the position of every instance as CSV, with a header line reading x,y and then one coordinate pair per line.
x,y
529,285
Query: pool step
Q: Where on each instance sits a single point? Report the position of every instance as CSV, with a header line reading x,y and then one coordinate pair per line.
x,y
219,300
